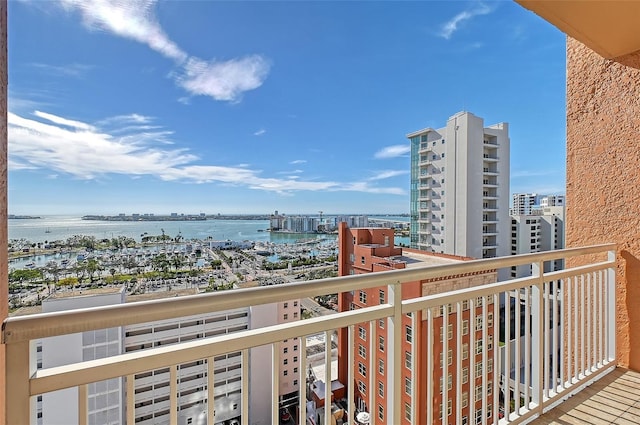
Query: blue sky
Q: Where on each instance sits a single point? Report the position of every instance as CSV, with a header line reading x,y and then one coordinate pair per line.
x,y
250,107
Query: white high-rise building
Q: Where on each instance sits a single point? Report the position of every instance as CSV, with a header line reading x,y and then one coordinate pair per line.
x,y
460,188
541,231
552,201
524,203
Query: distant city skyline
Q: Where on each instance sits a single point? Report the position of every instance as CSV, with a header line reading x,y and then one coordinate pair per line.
x,y
251,107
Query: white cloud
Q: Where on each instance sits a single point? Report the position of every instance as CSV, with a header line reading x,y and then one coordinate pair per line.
x,y
388,174
63,121
393,151
451,26
260,132
70,70
136,20
298,161
223,80
89,151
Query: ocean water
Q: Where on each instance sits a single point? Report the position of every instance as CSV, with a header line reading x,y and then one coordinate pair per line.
x,y
50,228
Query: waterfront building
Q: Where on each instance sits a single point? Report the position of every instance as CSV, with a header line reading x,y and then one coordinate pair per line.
x,y
552,201
371,250
106,400
460,188
524,203
542,230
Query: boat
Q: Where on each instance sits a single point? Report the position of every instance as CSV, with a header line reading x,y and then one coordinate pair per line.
x,y
30,265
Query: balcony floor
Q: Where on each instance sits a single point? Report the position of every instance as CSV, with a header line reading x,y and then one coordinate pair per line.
x,y
614,399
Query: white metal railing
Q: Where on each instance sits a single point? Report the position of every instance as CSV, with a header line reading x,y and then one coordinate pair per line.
x,y
563,339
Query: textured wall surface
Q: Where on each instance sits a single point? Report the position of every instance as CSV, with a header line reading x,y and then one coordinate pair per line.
x,y
603,175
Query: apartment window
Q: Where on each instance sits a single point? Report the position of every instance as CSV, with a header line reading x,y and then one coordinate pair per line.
x,y
380,412
362,369
380,388
490,319
286,305
295,303
465,351
352,258
381,343
295,315
285,350
362,259
407,359
295,359
407,411
465,327
295,370
408,332
479,346
286,372
381,366
449,358
286,316
449,331
382,296
465,305
362,387
465,399
362,351
285,361
465,375
479,302
362,332
479,392
489,365
295,382
490,343
363,297
381,323
442,156
478,370
478,323
490,388
407,385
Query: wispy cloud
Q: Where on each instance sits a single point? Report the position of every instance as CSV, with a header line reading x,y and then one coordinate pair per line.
x,y
393,151
64,122
70,70
452,25
388,174
298,161
260,132
63,146
136,20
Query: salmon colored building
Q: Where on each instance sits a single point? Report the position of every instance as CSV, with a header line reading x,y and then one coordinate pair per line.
x,y
370,250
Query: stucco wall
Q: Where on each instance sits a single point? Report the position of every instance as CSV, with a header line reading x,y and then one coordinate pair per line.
x,y
603,175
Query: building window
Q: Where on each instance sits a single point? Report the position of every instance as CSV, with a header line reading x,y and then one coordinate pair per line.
x,y
449,358
478,370
362,387
286,316
382,296
363,297
362,260
465,351
286,372
490,319
489,365
465,327
465,375
295,370
381,323
295,315
295,359
407,385
380,412
465,399
479,346
381,366
381,343
295,303
362,351
408,332
407,411
362,332
407,359
352,258
285,361
295,382
362,369
380,388
479,323
285,350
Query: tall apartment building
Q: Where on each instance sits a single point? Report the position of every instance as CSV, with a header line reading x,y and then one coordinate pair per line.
x,y
543,230
370,250
460,188
105,400
524,203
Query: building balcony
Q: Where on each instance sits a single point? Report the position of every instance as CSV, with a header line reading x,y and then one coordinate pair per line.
x,y
567,341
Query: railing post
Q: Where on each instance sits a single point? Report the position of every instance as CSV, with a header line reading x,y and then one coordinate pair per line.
x,y
394,380
611,307
537,336
20,407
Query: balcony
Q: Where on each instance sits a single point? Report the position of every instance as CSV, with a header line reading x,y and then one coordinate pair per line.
x,y
567,341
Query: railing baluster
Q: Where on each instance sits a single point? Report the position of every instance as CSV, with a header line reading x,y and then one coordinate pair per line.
x,y
351,387
546,334
430,365
568,294
445,364
173,396
610,317
371,405
275,381
19,406
576,332
555,351
601,313
517,353
472,358
507,352
82,405
394,334
582,324
588,330
485,343
458,362
211,405
245,387
537,336
563,353
414,370
527,346
131,399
